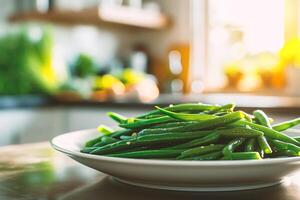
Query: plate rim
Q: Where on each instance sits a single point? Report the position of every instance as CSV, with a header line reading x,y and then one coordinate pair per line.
x,y
71,152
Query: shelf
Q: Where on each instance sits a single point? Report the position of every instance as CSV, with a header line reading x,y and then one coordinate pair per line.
x,y
102,16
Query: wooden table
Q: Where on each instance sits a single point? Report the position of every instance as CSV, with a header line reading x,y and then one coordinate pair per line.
x,y
36,172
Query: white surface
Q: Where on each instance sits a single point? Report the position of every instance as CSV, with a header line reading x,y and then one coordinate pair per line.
x,y
180,175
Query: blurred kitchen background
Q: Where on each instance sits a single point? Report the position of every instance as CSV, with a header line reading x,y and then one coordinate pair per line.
x,y
65,63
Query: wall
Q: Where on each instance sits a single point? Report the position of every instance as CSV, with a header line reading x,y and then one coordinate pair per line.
x,y
159,42
103,43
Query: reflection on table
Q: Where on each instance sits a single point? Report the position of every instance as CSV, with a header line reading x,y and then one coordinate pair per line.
x,y
37,172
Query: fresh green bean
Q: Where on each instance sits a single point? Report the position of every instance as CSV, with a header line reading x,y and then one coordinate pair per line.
x,y
216,122
270,133
231,146
229,153
250,145
87,149
240,132
247,116
96,140
264,145
226,107
117,117
142,123
209,139
210,156
260,151
285,153
200,151
183,107
262,118
185,116
148,154
297,138
149,139
279,145
171,125
180,131
105,130
149,131
119,133
105,140
245,156
126,137
218,114
286,125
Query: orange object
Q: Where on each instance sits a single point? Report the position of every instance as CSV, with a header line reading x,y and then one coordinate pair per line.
x,y
184,50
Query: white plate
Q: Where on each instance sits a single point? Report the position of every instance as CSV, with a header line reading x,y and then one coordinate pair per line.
x,y
180,175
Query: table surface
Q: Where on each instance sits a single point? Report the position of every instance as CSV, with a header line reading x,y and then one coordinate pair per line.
x,y
35,171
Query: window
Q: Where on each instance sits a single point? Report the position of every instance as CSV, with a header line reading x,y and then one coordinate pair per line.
x,y
234,32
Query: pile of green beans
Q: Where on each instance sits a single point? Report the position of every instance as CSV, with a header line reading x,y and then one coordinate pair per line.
x,y
195,131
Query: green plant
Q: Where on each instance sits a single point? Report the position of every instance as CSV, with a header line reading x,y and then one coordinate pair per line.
x,y
26,64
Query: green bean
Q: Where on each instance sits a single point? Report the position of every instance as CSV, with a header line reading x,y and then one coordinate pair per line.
x,y
250,145
231,146
218,114
240,132
211,138
105,130
90,143
264,145
119,133
229,153
286,125
227,107
210,156
260,151
200,151
279,145
117,117
183,107
148,154
216,122
286,153
262,118
149,131
171,125
142,123
245,156
105,140
149,139
180,131
150,116
297,138
185,116
270,133
126,137
87,149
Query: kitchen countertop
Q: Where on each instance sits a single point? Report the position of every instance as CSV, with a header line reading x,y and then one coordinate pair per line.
x,y
35,171
241,100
